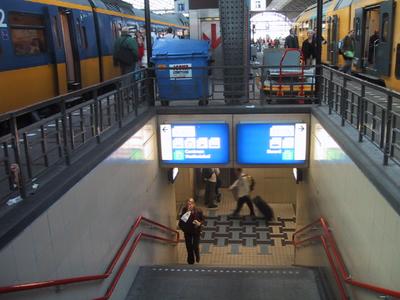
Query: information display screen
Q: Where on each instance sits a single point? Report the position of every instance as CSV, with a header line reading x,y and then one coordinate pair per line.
x,y
271,143
205,143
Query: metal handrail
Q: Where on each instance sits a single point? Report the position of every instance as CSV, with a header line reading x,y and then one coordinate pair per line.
x,y
330,245
111,266
364,82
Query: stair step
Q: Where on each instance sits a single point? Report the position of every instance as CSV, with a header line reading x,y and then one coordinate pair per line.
x,y
200,282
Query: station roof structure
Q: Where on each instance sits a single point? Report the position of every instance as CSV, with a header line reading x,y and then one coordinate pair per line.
x,y
289,8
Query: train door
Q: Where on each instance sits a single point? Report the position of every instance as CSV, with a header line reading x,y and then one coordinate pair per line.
x,y
334,35
332,53
71,58
371,39
383,49
359,22
57,48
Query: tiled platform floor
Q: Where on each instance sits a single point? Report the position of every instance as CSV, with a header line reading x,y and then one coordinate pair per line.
x,y
245,241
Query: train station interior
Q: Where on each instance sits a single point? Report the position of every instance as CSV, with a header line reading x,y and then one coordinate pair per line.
x,y
125,180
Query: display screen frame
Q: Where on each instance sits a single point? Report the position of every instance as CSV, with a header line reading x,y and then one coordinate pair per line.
x,y
170,164
296,164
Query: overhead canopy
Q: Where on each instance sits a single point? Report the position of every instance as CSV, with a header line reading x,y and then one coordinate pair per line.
x,y
289,8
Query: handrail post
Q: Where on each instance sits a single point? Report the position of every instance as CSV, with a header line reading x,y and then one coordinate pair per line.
x,y
20,181
97,113
330,92
361,114
388,140
119,100
65,132
343,98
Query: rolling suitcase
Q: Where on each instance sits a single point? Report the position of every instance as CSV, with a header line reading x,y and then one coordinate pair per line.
x,y
264,208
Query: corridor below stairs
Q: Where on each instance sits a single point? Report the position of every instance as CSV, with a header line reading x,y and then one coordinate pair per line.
x,y
244,241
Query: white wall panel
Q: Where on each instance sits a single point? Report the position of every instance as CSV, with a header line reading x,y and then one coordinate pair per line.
x,y
81,232
365,226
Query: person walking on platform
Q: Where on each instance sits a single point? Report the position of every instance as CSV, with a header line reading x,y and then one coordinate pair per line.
x,y
170,34
218,184
373,41
242,185
308,49
190,221
347,50
126,51
291,40
209,176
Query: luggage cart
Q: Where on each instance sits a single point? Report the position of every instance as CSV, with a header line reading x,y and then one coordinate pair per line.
x,y
284,76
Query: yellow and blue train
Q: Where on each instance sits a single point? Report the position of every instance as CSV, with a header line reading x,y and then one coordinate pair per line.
x,y
50,47
376,24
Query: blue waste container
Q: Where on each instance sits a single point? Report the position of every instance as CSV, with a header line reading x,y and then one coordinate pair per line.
x,y
174,60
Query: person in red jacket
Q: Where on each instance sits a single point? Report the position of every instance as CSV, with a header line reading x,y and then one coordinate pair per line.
x,y
190,222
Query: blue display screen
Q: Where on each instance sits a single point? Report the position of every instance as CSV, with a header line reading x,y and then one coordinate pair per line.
x,y
206,143
271,143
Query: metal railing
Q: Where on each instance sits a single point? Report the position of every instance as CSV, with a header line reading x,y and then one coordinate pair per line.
x,y
335,259
30,153
78,118
237,85
373,110
110,269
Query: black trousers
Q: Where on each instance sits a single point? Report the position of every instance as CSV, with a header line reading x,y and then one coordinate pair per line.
x,y
241,201
192,241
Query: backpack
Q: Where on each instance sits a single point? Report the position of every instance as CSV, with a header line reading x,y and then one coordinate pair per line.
x,y
124,54
206,173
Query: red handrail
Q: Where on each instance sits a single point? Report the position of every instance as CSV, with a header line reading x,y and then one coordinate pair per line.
x,y
110,268
328,243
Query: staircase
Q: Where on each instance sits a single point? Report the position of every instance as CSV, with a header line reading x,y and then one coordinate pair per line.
x,y
195,282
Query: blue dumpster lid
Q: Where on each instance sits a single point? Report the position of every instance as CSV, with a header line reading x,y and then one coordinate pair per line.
x,y
177,47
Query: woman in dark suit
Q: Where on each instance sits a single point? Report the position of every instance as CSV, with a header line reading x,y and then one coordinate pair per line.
x,y
190,221
309,49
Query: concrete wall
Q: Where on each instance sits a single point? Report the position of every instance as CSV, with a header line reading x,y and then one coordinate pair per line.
x,y
81,232
275,185
184,186
365,226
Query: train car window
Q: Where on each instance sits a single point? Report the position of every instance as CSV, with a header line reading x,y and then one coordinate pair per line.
x,y
27,33
116,30
84,37
385,27
82,34
398,62
56,31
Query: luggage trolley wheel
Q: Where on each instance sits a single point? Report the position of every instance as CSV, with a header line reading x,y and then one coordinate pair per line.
x,y
203,102
164,103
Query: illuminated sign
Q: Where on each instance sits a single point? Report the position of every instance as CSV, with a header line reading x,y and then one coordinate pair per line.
x,y
261,143
194,143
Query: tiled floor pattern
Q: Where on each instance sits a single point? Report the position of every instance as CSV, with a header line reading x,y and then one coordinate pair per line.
x,y
246,241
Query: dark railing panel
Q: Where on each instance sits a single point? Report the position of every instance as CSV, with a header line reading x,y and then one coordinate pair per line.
x,y
371,109
77,119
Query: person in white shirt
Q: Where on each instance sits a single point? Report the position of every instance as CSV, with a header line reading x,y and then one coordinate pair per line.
x,y
243,192
170,34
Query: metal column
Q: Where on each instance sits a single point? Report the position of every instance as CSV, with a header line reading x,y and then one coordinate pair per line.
x,y
319,50
235,29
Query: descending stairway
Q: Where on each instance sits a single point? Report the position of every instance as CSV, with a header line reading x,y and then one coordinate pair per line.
x,y
208,283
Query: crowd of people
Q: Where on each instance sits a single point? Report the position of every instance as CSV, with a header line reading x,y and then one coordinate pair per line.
x,y
129,47
309,46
